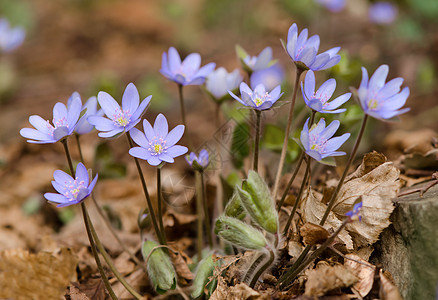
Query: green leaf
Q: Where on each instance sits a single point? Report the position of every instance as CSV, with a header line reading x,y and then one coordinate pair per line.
x,y
239,233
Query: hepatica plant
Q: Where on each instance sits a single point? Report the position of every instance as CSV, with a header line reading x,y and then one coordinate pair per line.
x,y
157,144
71,190
250,219
63,124
119,119
10,37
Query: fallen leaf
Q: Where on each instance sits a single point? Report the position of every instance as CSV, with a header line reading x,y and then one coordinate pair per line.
x,y
44,275
419,141
313,210
238,292
326,278
364,272
74,293
370,161
181,267
388,290
377,189
92,288
313,234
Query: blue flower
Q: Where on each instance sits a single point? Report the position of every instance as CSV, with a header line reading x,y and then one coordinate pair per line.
x,y
186,72
317,141
90,108
304,51
269,77
258,99
71,190
64,123
157,144
380,100
255,63
318,100
120,119
10,38
333,5
219,82
355,213
201,160
382,13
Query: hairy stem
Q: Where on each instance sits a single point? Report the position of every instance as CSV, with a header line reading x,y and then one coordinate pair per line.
x,y
297,168
347,166
200,242
297,200
287,132
105,218
108,258
312,256
160,200
146,193
183,113
206,214
257,139
262,268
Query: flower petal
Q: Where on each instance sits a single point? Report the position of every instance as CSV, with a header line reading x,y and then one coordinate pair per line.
x,y
131,98
108,104
59,111
191,64
82,173
101,123
111,133
205,70
377,81
34,134
154,160
174,135
39,123
141,109
140,152
57,198
263,59
166,158
391,88
61,177
335,143
74,112
161,128
338,101
174,60
309,84
177,150
139,138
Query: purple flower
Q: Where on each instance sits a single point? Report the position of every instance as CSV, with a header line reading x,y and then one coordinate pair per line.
x,y
219,82
380,100
317,141
90,108
10,38
255,63
382,13
304,51
71,190
120,119
186,72
269,77
64,123
318,100
157,144
355,213
258,99
200,161
333,5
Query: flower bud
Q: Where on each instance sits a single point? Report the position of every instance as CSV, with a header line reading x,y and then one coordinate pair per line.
x,y
239,233
257,200
159,266
204,271
234,207
144,219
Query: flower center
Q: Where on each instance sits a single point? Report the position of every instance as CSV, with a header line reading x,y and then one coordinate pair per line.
x,y
373,104
57,123
122,118
260,99
72,189
157,146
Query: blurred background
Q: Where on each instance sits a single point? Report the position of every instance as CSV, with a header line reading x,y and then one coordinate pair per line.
x,y
89,46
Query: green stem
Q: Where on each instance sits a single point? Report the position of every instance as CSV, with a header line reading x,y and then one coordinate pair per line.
x,y
105,218
297,168
206,214
96,256
160,201
200,242
347,166
146,193
257,139
314,255
297,200
183,113
287,132
69,160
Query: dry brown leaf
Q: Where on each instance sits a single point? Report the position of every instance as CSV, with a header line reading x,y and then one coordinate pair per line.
x,y
294,249
370,161
313,234
181,267
377,189
326,278
313,210
363,270
238,292
93,288
36,276
388,291
74,293
419,141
